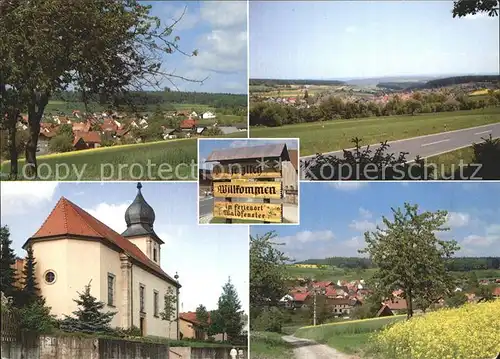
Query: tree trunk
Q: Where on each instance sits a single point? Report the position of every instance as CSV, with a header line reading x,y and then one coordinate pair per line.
x,y
35,112
12,129
409,305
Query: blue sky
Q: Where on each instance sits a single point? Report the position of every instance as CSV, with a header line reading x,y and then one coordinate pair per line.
x,y
354,39
334,216
218,30
203,256
206,147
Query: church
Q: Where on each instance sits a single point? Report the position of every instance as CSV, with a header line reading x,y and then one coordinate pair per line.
x,y
72,248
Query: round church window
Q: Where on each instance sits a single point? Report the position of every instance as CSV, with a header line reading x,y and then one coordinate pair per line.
x,y
50,277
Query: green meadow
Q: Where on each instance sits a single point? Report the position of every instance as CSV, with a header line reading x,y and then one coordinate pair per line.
x,y
325,136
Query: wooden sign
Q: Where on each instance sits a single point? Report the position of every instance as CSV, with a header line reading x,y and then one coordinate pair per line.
x,y
247,189
250,211
267,169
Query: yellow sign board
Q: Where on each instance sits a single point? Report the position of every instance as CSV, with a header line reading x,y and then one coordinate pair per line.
x,y
266,169
265,212
247,189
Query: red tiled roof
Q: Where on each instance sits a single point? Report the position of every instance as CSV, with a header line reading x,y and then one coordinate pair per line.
x,y
496,292
191,317
68,219
330,292
89,137
188,123
300,297
396,304
322,284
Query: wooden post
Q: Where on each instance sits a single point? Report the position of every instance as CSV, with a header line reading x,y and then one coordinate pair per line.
x,y
267,200
229,220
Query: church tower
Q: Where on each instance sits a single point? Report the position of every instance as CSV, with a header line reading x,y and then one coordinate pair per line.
x,y
140,218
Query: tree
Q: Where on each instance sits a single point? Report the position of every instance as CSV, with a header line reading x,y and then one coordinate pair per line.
x,y
130,43
203,318
170,307
456,300
414,106
472,281
88,318
267,271
409,255
36,318
7,260
463,8
228,316
30,290
485,291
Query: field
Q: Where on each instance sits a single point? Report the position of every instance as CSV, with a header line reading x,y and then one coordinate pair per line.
x,y
320,137
265,345
351,274
468,332
105,162
292,91
349,337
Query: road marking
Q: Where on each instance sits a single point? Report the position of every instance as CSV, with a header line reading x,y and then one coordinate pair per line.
x,y
433,143
405,139
480,133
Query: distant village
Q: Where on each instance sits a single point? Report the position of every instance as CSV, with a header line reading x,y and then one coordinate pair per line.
x,y
353,94
342,297
112,128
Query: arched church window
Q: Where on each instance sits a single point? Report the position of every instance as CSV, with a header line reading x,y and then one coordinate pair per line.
x,y
49,277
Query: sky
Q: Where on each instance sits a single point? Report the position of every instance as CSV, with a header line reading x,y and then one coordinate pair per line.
x,y
218,30
360,39
334,216
203,256
206,147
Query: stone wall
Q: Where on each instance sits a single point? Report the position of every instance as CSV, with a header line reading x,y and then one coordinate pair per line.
x,y
73,347
201,353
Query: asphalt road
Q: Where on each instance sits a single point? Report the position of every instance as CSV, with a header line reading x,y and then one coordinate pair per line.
x,y
308,349
431,145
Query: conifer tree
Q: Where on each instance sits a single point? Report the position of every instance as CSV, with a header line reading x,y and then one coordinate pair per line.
x,y
228,316
7,260
88,318
203,318
30,290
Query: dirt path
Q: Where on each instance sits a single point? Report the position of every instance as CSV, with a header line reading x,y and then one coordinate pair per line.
x,y
309,349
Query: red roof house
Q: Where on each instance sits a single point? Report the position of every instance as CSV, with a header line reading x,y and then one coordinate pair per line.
x,y
188,124
69,220
85,140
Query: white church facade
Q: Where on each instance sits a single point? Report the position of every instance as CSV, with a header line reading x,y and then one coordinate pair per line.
x,y
72,248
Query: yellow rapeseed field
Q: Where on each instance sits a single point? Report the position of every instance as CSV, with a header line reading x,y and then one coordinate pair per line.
x,y
469,332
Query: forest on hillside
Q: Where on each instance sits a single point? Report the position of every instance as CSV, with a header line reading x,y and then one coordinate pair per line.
x,y
448,81
281,82
458,264
162,98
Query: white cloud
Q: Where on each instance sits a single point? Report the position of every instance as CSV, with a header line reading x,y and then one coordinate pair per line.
x,y
354,242
365,213
457,219
476,240
112,215
21,197
348,185
224,48
308,236
363,225
223,14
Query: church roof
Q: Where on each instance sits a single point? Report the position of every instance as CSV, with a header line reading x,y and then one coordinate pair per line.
x,y
140,218
68,219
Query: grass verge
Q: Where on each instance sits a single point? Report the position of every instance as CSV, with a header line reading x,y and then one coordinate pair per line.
x,y
267,345
450,161
320,137
350,337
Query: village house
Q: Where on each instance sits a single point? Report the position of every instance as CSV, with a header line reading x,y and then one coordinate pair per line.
x,y
86,140
188,125
125,270
208,115
190,328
